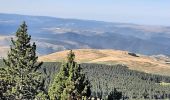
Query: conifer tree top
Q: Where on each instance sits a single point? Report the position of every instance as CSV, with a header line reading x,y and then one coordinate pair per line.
x,y
70,57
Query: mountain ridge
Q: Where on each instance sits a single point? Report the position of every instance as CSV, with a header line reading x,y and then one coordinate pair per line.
x,y
148,64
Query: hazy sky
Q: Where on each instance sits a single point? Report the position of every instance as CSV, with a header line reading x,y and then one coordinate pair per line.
x,y
151,12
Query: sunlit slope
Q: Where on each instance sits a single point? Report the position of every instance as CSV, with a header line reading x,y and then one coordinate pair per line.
x,y
141,63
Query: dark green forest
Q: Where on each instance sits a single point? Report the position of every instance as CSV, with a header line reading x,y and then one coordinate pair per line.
x,y
104,78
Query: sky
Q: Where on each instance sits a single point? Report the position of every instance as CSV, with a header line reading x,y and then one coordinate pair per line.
x,y
146,12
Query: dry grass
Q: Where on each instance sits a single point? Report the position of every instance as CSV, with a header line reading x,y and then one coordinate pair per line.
x,y
142,63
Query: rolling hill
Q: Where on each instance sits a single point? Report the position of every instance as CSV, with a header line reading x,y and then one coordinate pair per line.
x,y
57,34
148,64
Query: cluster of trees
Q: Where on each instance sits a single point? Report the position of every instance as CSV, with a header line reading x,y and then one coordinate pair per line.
x,y
132,84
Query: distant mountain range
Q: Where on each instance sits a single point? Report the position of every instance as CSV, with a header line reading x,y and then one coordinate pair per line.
x,y
57,34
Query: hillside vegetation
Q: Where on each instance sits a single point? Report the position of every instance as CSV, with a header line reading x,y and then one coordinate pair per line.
x,y
134,85
111,57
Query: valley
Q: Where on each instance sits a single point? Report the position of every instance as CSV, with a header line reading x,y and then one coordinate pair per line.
x,y
57,34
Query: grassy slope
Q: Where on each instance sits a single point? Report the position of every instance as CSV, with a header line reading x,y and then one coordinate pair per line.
x,y
142,63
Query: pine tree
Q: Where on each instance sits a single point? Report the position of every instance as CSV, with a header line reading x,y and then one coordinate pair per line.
x,y
115,95
22,67
70,83
58,85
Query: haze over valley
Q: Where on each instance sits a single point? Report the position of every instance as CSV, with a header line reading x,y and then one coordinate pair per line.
x,y
56,34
